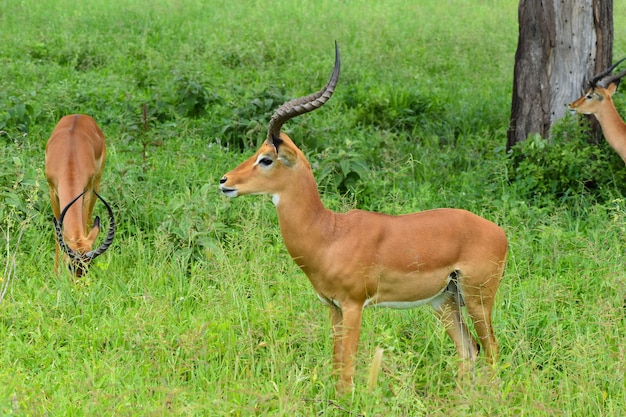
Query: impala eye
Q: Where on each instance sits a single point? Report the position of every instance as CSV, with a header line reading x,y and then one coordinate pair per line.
x,y
266,161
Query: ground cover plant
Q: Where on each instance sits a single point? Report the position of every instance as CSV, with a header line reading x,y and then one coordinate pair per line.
x,y
197,308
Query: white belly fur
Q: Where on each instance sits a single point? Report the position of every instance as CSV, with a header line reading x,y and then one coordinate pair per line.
x,y
435,301
403,305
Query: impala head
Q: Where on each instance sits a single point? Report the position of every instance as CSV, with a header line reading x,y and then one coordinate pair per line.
x,y
261,174
80,253
599,91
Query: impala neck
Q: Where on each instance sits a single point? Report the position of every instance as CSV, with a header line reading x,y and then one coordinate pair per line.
x,y
613,128
73,226
304,221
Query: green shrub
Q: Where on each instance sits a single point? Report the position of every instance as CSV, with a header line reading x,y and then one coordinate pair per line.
x,y
16,115
246,127
566,165
343,167
400,109
192,98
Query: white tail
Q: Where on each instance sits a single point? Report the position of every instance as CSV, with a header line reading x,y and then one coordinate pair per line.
x,y
599,102
75,156
446,258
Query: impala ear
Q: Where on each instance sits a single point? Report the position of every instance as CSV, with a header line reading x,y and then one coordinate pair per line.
x,y
287,155
612,88
95,229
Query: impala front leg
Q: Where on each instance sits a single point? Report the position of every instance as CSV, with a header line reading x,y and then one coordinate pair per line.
x,y
337,317
346,333
56,210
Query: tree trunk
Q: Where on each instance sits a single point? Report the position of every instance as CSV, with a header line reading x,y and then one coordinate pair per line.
x,y
561,45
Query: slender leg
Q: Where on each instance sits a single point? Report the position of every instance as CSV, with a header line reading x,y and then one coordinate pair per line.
x,y
479,309
346,333
89,203
449,313
479,296
56,257
337,318
56,210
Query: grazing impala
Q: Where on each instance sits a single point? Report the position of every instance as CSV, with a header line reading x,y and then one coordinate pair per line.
x,y
75,156
598,101
446,258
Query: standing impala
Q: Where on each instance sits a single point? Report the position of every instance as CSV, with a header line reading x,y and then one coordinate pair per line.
x,y
75,156
598,101
446,258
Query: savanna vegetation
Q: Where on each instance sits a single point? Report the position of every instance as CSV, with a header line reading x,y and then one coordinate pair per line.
x,y
197,309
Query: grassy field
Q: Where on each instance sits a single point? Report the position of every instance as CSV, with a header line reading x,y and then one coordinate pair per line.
x,y
197,309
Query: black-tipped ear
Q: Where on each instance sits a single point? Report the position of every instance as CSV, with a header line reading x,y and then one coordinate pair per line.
x,y
287,156
96,222
612,88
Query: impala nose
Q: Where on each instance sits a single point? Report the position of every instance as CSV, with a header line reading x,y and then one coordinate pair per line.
x,y
223,180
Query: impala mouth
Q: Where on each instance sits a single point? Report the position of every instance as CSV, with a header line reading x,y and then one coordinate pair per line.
x,y
229,192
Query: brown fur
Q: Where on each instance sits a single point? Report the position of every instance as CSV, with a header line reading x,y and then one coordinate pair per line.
x,y
75,155
359,257
599,102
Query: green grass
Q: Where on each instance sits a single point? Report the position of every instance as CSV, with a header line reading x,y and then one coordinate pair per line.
x,y
197,309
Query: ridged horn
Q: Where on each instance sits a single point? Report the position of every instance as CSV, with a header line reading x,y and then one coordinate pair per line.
x,y
605,82
305,104
58,228
91,255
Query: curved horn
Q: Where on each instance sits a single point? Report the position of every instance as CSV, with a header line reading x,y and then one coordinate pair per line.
x,y
58,228
91,255
614,78
304,104
598,77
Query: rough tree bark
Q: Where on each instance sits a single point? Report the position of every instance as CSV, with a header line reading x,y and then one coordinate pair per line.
x,y
561,44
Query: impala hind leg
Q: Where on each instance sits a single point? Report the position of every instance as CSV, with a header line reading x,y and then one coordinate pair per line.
x,y
346,333
479,307
449,312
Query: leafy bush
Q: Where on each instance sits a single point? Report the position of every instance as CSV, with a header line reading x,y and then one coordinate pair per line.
x,y
81,56
248,123
192,98
16,116
342,167
566,164
400,109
